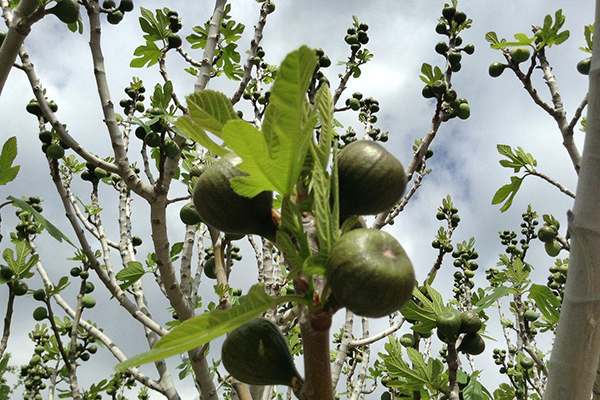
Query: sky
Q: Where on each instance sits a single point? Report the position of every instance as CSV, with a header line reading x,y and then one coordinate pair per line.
x,y
402,37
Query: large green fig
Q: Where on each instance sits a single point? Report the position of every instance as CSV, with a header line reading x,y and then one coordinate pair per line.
x,y
470,322
472,344
257,353
66,10
369,273
220,207
448,325
371,180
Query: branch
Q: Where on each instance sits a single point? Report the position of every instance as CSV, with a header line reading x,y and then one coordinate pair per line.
x,y
384,333
211,44
19,26
162,67
436,121
111,284
552,182
7,320
342,350
36,85
560,115
413,189
98,334
258,35
360,380
125,169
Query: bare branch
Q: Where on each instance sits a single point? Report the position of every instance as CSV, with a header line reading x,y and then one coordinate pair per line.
x,y
372,339
258,35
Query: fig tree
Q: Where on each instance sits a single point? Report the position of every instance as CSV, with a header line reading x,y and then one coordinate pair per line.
x,y
371,180
222,208
257,353
369,273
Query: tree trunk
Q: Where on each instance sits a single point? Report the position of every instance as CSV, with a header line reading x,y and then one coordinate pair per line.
x,y
576,348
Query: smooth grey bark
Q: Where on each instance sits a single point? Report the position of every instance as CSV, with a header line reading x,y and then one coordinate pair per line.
x,y
19,28
576,350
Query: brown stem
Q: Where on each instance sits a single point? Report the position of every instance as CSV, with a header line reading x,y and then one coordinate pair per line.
x,y
317,365
7,320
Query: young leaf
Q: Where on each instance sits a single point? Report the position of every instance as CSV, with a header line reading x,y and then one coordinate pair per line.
x,y
131,274
146,54
492,37
8,155
20,265
321,205
274,158
210,111
507,192
426,313
474,391
414,377
285,244
203,328
546,302
324,106
490,299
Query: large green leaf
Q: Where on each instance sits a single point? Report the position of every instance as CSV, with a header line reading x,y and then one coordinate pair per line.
x,y
490,299
274,158
427,312
131,274
203,328
19,262
8,155
209,111
145,54
52,230
324,105
546,302
419,376
507,193
321,204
